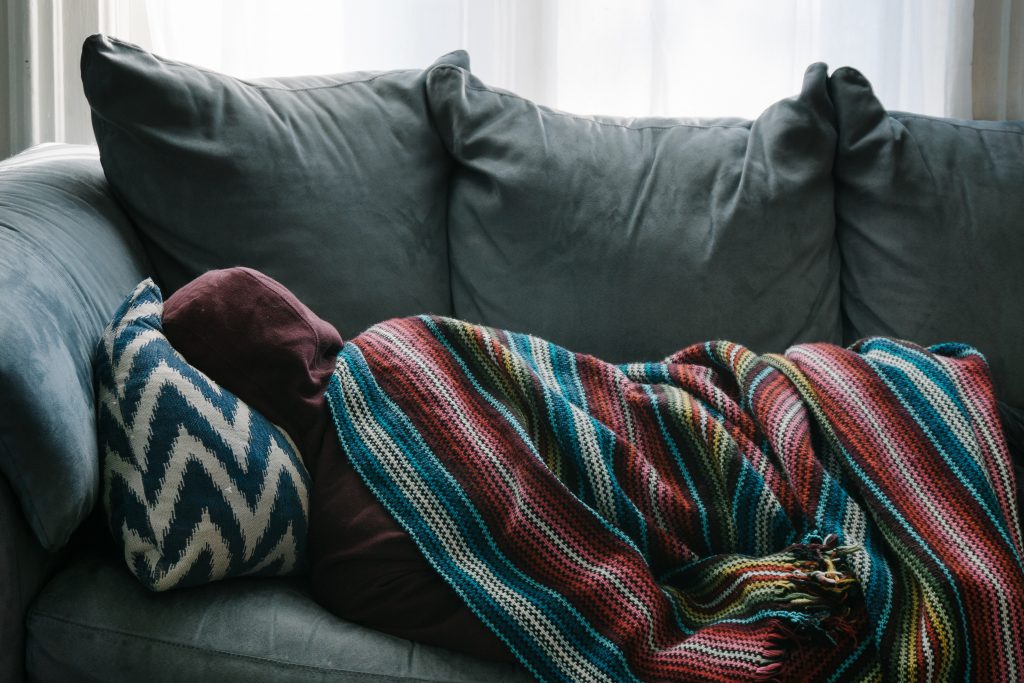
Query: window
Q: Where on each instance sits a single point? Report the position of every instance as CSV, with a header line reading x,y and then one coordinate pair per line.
x,y
621,57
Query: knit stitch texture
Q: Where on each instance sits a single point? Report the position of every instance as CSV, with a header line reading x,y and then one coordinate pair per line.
x,y
826,514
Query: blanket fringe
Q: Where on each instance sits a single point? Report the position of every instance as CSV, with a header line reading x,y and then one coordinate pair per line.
x,y
820,590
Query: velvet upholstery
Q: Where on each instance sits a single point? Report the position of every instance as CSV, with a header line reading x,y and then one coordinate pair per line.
x,y
632,238
930,217
24,568
334,185
95,622
68,256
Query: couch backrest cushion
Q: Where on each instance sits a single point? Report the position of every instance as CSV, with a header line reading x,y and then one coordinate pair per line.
x,y
930,218
334,185
197,486
631,238
67,256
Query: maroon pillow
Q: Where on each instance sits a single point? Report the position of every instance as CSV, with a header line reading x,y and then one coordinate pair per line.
x,y
251,335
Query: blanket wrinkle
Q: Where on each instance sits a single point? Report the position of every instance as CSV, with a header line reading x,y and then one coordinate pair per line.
x,y
827,513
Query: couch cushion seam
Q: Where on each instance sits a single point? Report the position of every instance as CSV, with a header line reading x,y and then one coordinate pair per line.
x,y
235,655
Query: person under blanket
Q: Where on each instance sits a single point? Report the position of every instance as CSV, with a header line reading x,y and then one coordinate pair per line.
x,y
254,337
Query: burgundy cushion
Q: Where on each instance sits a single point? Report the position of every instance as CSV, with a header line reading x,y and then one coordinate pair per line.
x,y
248,333
254,337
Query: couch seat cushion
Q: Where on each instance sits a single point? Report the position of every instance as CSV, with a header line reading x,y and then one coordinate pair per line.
x,y
334,185
632,238
930,221
94,621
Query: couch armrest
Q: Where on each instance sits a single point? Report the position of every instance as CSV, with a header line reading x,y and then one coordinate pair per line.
x,y
24,567
68,257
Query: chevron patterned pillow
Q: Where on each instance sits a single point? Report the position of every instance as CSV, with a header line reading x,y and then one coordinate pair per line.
x,y
197,486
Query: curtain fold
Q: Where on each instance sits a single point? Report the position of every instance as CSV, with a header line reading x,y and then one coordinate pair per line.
x,y
625,57
998,69
5,83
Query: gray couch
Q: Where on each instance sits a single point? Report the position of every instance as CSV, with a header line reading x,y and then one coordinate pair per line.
x,y
826,219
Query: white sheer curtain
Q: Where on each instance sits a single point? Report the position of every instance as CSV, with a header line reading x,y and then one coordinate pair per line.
x,y
626,57
998,69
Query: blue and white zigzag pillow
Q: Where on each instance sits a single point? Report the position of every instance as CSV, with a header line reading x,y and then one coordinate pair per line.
x,y
197,486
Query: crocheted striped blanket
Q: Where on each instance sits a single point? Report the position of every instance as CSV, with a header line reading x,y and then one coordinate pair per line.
x,y
827,514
